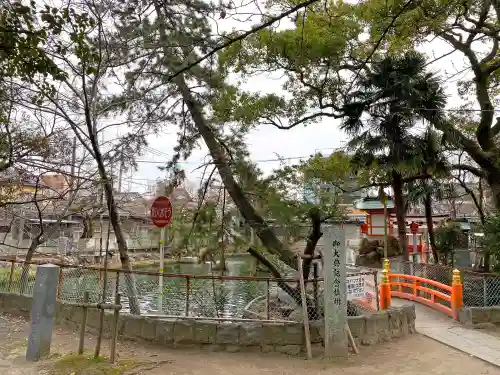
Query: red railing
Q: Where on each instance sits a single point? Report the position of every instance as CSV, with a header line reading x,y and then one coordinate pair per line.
x,y
418,289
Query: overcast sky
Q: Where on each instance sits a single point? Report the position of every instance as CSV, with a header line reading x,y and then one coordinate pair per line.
x,y
267,142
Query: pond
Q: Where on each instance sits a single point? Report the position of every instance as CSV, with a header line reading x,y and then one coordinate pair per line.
x,y
196,296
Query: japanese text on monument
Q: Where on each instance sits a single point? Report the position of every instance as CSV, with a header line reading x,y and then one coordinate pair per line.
x,y
336,273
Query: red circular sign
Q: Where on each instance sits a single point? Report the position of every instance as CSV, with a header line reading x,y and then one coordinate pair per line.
x,y
161,212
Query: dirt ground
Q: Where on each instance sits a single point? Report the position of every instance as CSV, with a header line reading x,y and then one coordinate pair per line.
x,y
414,355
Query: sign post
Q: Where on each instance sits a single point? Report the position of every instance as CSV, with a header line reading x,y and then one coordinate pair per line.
x,y
336,344
161,215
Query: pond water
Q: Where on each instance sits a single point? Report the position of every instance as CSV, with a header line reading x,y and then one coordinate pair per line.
x,y
198,296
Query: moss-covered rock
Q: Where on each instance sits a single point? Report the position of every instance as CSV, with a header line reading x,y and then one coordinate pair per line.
x,y
73,364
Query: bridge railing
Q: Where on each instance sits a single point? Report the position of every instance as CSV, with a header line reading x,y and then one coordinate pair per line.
x,y
480,289
427,292
439,296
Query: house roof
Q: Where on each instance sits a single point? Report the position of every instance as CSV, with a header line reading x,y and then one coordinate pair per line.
x,y
130,204
15,175
370,203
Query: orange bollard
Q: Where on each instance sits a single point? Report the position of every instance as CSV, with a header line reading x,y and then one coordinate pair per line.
x,y
385,291
457,294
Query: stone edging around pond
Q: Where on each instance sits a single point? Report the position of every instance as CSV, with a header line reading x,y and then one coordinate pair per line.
x,y
285,338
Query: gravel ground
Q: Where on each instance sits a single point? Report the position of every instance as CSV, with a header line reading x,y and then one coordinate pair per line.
x,y
415,355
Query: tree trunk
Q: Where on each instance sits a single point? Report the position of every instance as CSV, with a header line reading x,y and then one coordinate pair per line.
x,y
37,241
399,206
430,225
264,232
294,293
115,220
312,241
26,266
267,236
122,244
453,204
494,183
480,209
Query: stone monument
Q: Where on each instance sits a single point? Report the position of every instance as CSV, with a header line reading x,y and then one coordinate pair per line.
x,y
42,311
335,292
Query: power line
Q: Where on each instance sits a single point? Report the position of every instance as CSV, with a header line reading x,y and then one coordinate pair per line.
x,y
255,161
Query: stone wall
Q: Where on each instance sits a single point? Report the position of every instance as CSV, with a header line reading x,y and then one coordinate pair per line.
x,y
286,338
479,316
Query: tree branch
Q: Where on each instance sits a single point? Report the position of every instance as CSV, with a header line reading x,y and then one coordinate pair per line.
x,y
469,168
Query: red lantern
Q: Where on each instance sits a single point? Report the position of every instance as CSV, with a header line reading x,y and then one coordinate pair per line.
x,y
414,227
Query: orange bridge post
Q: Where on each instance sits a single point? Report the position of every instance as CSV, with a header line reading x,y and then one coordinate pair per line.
x,y
457,294
385,291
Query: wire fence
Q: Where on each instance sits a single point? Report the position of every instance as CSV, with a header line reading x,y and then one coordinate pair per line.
x,y
211,296
480,290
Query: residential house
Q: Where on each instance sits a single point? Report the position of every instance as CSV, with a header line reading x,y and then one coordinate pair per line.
x,y
137,227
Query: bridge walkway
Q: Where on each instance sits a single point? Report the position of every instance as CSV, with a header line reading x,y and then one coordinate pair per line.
x,y
436,325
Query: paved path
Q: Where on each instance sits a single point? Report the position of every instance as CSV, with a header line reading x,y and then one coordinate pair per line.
x,y
438,326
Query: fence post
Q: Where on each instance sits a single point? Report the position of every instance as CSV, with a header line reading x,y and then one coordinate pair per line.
x,y
59,283
416,284
315,285
485,291
11,275
81,344
385,291
188,290
268,298
114,338
457,294
117,283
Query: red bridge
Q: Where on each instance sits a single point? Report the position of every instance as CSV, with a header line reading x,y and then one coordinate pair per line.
x,y
447,299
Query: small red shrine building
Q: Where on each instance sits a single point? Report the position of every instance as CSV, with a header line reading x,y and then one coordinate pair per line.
x,y
373,228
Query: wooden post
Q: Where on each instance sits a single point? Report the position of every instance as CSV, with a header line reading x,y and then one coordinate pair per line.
x,y
315,285
268,297
351,339
188,287
59,283
11,275
117,284
81,344
116,317
305,311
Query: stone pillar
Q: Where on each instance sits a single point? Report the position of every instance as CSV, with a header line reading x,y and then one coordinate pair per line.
x,y
335,292
42,311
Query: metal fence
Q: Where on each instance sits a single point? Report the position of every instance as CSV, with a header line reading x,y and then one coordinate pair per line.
x,y
211,296
479,289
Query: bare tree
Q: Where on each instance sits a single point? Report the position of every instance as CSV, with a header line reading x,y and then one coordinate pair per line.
x,y
82,103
